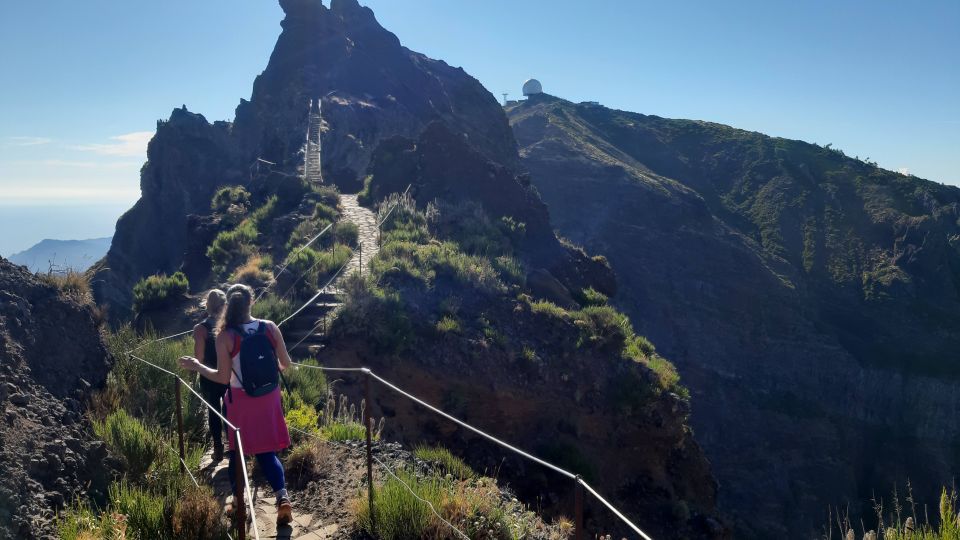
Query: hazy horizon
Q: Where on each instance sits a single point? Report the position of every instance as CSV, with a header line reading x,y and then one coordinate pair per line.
x,y
872,79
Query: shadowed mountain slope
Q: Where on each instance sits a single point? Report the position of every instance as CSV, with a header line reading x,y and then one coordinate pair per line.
x,y
808,298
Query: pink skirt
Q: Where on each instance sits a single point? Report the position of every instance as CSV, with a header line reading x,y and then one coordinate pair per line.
x,y
260,419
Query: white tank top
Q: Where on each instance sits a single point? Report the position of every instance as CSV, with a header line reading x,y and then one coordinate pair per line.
x,y
248,328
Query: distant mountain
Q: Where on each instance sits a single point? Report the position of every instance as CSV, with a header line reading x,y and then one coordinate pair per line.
x,y
808,299
75,254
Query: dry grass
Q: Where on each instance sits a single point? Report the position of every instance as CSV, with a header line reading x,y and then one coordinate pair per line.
x,y
252,273
197,515
71,284
308,461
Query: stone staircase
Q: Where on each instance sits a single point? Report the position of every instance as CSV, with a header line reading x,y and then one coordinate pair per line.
x,y
307,330
311,166
309,327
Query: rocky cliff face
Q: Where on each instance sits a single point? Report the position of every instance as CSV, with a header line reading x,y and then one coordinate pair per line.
x,y
385,112
51,357
806,297
370,88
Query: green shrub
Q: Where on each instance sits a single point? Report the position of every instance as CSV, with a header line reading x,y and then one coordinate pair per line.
x,y
344,431
365,197
347,233
399,515
144,511
303,421
155,291
81,522
545,307
226,197
146,392
272,308
310,384
448,324
591,297
233,247
324,212
375,313
128,437
902,521
304,231
450,463
475,507
603,327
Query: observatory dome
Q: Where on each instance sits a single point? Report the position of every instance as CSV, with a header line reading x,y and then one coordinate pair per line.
x,y
532,87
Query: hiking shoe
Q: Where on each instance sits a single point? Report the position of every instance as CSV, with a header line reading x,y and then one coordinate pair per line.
x,y
284,512
217,453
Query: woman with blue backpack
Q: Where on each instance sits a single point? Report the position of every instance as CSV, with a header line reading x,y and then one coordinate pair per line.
x,y
251,354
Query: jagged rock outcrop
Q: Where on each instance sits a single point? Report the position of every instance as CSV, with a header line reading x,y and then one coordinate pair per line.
x,y
187,160
807,298
371,88
51,358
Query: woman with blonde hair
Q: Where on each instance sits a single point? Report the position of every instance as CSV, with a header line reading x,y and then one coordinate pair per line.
x,y
251,354
205,349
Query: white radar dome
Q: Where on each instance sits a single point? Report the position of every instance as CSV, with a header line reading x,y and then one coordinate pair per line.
x,y
532,87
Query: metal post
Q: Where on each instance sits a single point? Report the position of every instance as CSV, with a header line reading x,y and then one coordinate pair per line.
x,y
368,421
578,510
238,500
183,453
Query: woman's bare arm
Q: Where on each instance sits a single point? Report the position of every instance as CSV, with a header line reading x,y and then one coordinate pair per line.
x,y
224,363
199,341
283,357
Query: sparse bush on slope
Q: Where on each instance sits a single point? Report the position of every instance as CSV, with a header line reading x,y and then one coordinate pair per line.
x,y
153,292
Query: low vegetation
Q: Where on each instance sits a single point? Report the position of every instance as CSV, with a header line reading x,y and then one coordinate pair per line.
x,y
902,521
157,291
445,507
449,463
71,284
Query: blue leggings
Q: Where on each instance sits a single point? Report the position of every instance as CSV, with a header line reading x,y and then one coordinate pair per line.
x,y
270,465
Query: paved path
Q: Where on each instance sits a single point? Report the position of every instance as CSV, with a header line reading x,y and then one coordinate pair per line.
x,y
303,527
366,221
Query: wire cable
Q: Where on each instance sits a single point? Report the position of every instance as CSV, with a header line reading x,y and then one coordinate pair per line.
x,y
290,260
478,431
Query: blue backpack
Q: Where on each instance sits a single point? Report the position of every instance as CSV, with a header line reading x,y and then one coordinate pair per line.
x,y
258,362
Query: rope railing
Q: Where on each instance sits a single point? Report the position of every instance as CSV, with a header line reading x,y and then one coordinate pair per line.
x,y
314,297
290,258
580,482
241,511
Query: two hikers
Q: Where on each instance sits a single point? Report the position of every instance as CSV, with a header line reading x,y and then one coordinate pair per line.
x,y
250,355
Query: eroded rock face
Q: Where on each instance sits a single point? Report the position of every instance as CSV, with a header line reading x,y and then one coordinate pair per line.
x,y
187,160
51,358
808,299
371,89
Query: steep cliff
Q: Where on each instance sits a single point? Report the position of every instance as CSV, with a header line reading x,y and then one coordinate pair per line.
x,y
389,117
370,87
806,298
51,358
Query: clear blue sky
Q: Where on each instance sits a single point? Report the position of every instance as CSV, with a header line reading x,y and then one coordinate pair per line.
x,y
83,83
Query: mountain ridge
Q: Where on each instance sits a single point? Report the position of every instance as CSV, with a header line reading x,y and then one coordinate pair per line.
x,y
76,255
803,295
